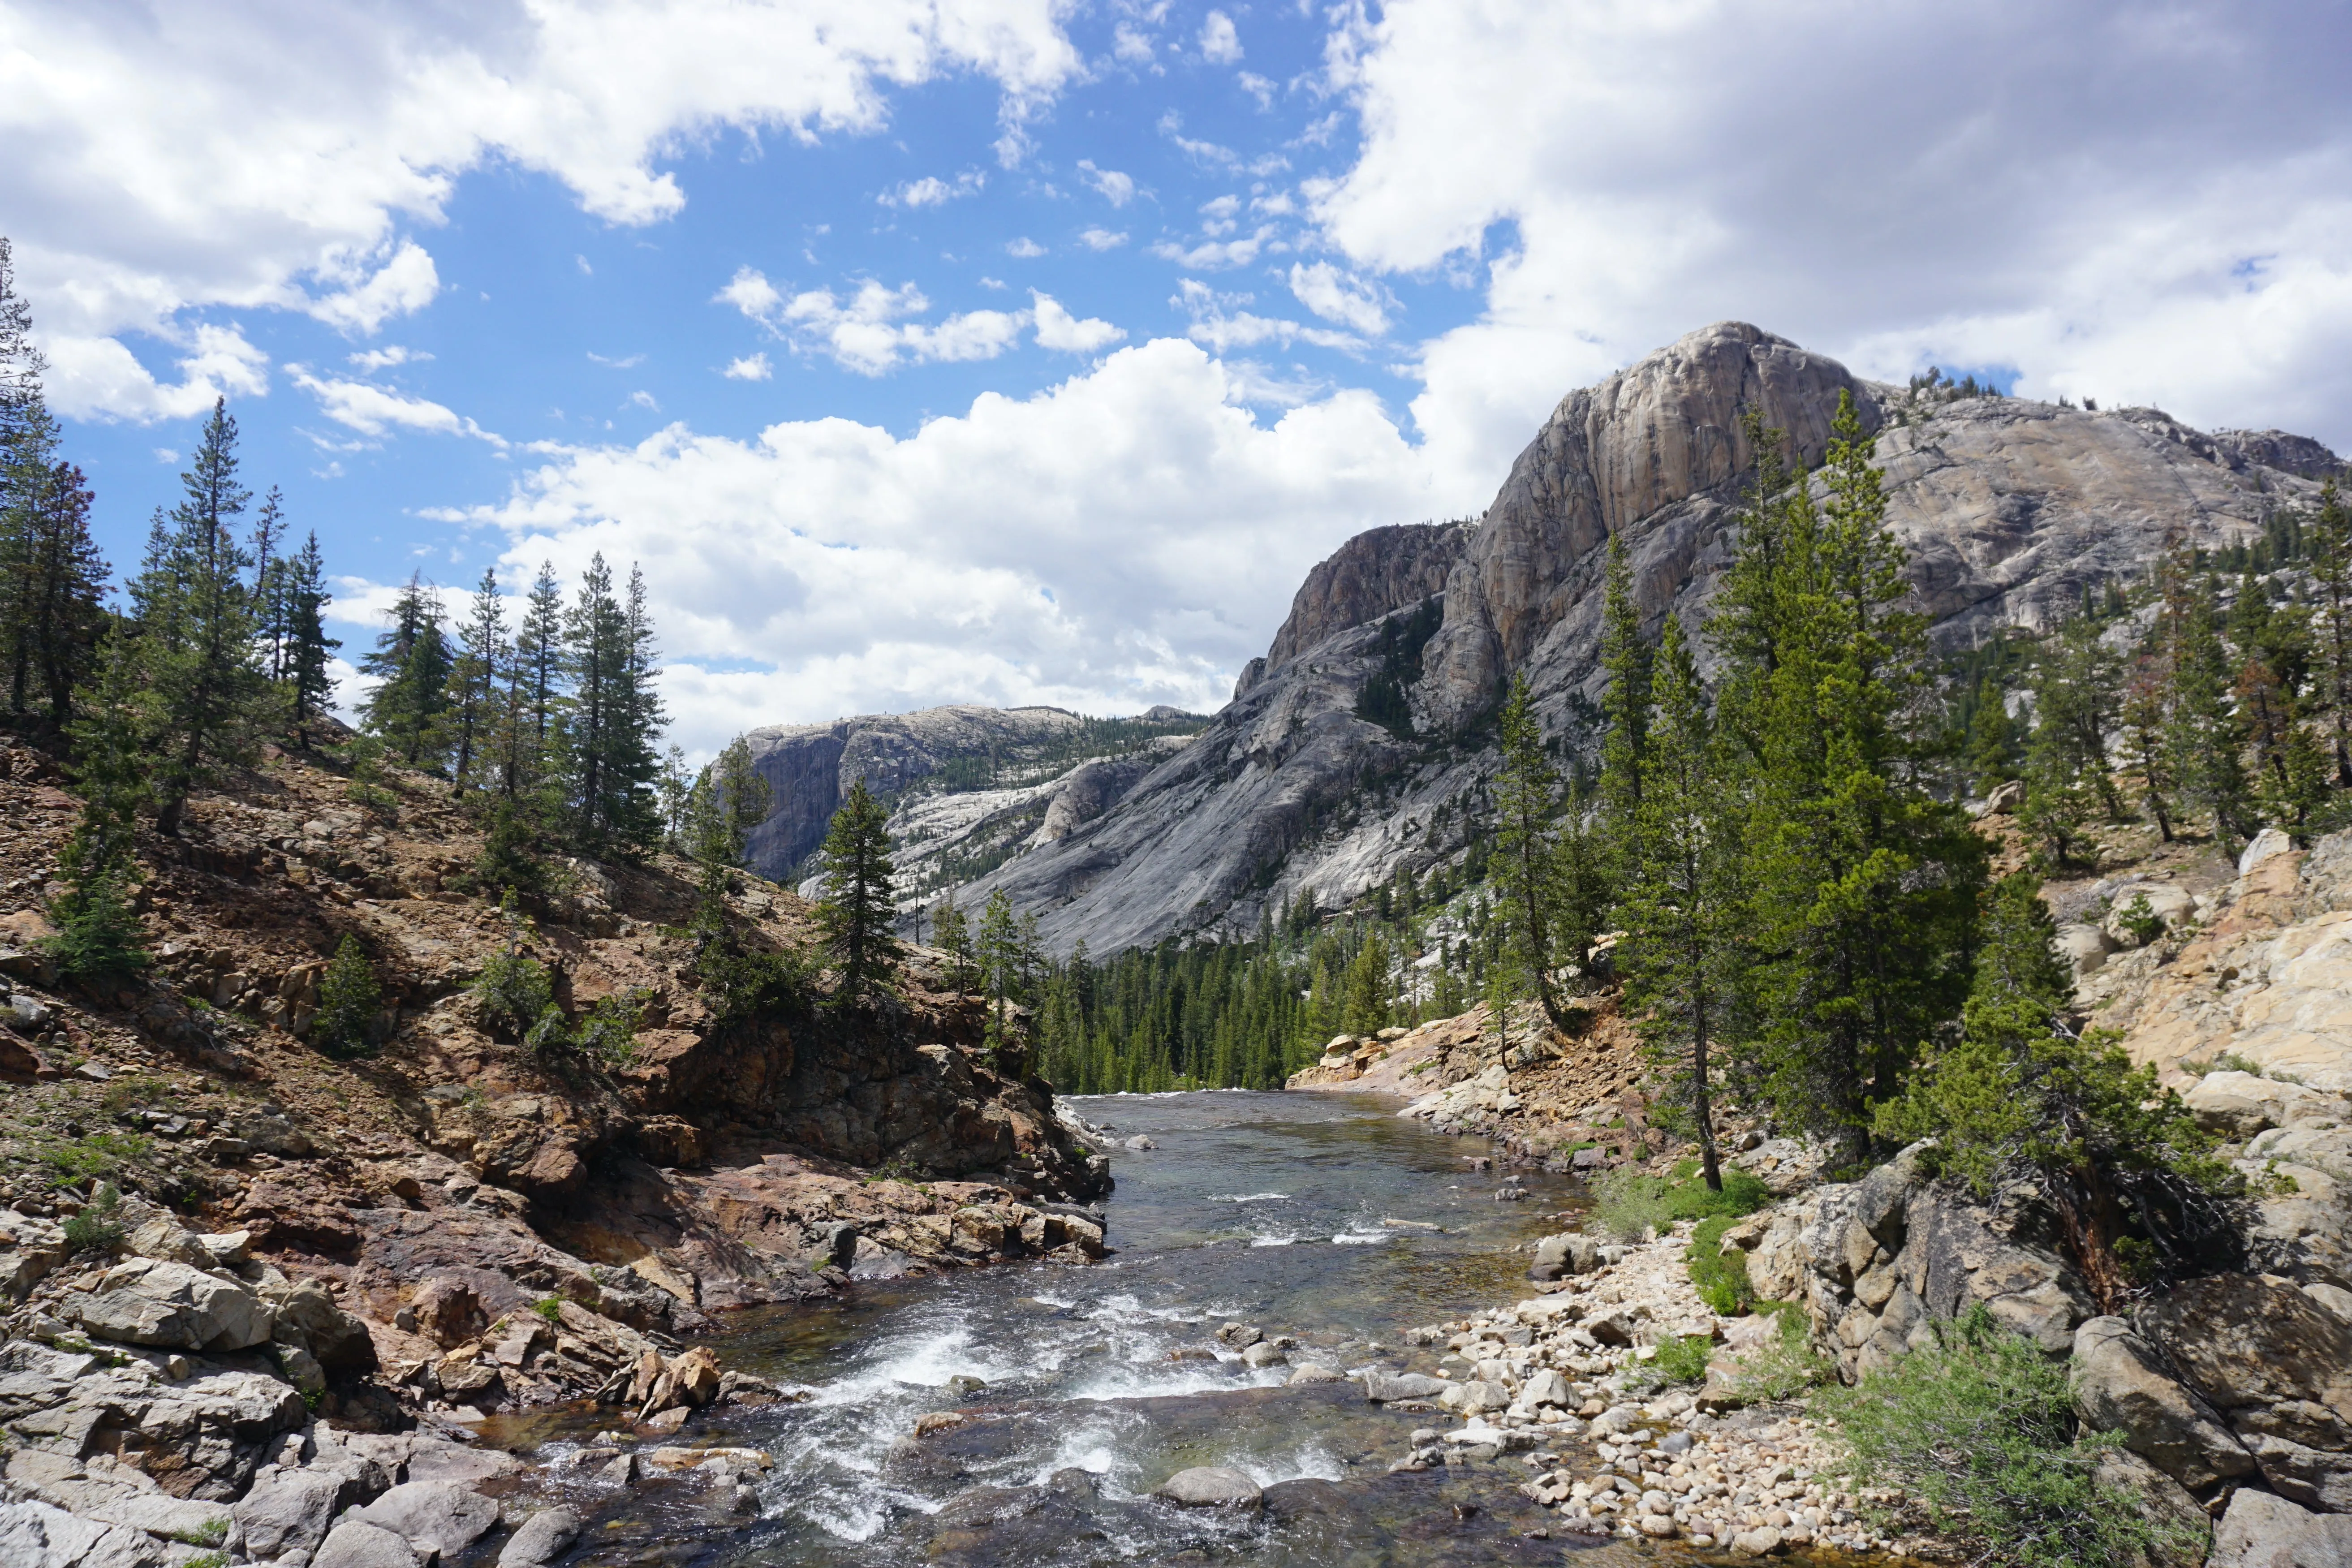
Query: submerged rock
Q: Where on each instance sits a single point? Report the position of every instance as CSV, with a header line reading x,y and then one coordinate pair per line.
x,y
1210,1485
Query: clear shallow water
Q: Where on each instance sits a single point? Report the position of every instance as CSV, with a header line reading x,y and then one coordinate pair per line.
x,y
1322,1216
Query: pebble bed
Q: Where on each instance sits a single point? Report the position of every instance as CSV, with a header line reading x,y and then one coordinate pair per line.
x,y
1553,1380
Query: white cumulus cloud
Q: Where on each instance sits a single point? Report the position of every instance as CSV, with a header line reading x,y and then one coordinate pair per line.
x,y
1060,330
2142,205
374,411
1337,296
1115,188
827,567
750,367
1219,42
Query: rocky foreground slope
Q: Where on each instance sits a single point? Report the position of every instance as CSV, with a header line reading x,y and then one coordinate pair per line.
x,y
2008,508
212,1236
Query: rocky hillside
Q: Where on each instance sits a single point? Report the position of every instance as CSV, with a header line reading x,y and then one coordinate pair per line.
x,y
971,784
2008,509
450,1224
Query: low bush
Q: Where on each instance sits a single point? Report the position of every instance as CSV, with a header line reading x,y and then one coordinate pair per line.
x,y
551,1308
1720,1277
1628,1203
514,992
609,1032
1684,1360
1979,1427
96,1229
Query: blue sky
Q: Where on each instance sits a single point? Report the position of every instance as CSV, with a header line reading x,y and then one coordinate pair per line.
x,y
1014,350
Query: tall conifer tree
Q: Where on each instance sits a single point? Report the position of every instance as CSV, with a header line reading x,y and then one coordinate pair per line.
x,y
1678,955
309,681
1624,710
207,693
1526,794
857,907
412,662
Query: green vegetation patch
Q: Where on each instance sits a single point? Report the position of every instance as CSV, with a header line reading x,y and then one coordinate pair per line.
x,y
1979,1428
1629,1203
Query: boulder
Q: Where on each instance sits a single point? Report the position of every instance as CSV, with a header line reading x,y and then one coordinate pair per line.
x,y
1475,1396
2278,1366
433,1516
1557,1256
2182,1528
1316,1371
171,1306
1545,1387
2239,1104
2005,798
308,1318
2264,845
1382,1387
285,1511
1210,1485
2118,1385
2264,1530
36,1535
357,1544
544,1537
2083,947
1263,1355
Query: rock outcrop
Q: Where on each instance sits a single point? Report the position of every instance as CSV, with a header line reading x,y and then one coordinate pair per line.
x,y
1378,571
2007,508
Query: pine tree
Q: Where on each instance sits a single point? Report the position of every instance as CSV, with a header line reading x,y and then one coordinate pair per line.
x,y
2022,1095
309,680
99,937
271,608
951,935
729,799
409,707
50,602
616,715
1524,867
856,908
481,662
207,693
999,948
2204,738
2146,710
1679,902
535,704
1624,708
350,999
1860,886
2328,539
1365,1010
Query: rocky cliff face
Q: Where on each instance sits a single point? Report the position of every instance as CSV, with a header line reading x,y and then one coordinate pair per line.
x,y
810,766
1380,570
2008,509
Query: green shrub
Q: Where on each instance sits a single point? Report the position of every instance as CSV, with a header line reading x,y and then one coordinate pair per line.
x,y
1719,1276
211,1533
131,1090
2138,918
609,1032
1979,1427
1627,1202
350,999
551,1308
95,1228
513,994
1684,1360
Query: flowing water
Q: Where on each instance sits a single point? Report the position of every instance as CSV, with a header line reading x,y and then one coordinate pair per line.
x,y
1324,1216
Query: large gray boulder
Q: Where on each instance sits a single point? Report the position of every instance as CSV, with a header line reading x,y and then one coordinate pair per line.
x,y
1382,1387
2240,1104
2118,1385
1571,1252
285,1511
2263,1530
2278,1366
37,1535
356,1543
544,1537
433,1516
172,1306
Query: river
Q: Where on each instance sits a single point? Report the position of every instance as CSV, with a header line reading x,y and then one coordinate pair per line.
x,y
1322,1216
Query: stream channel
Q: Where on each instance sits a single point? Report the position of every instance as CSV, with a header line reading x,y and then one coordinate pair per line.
x,y
1323,1217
